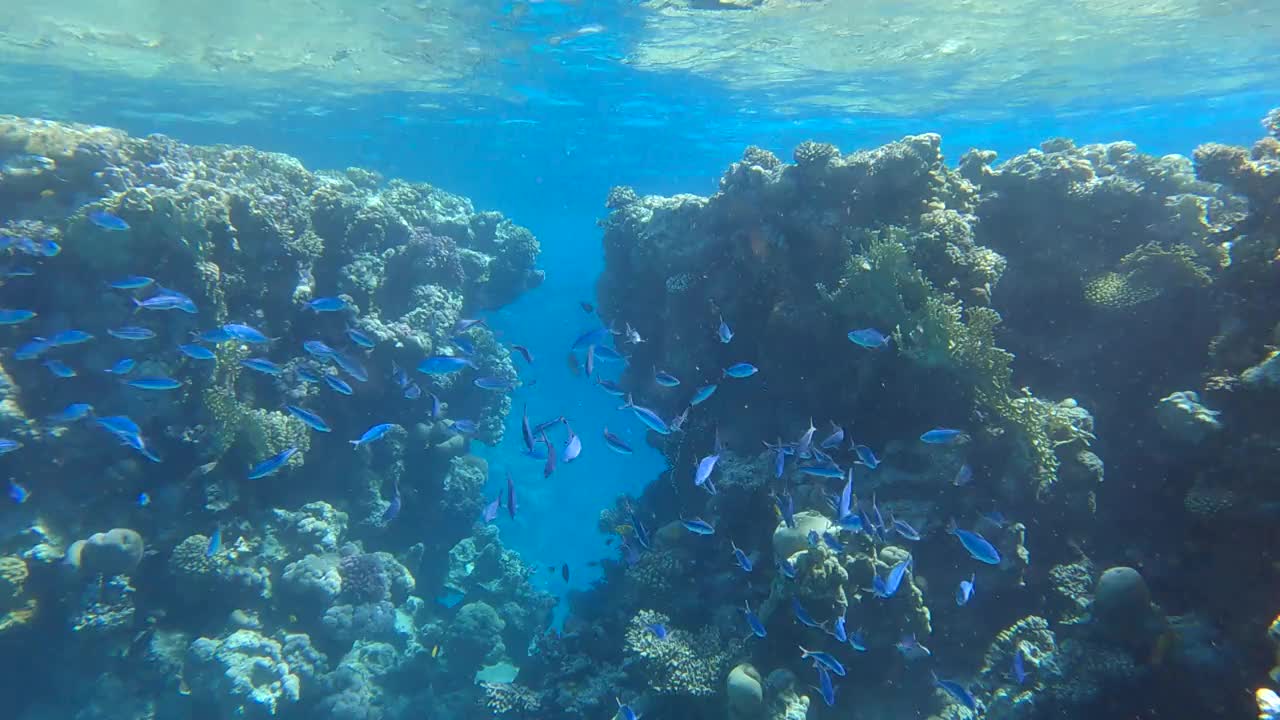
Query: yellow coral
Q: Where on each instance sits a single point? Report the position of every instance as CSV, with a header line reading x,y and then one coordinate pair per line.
x,y
16,608
1144,275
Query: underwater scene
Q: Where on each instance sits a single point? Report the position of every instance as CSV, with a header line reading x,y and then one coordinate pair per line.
x,y
661,359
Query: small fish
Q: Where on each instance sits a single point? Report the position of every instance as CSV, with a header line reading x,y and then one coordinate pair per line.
x,y
435,406
318,349
307,374
786,508
327,304
13,317
18,493
31,349
648,417
262,365
1019,668
465,324
822,471
826,687
704,470
444,364
143,499
351,366
564,572
393,507
71,413
69,337
911,649
625,711
802,615
866,456
587,307
338,384
903,528
813,538
698,526
826,660
119,425
494,383
658,629
839,632
167,300
869,338
246,334
753,621
107,221
834,439
805,444
19,271
197,352
832,542
723,332
976,545
957,691
857,640
591,337
665,379
215,543
616,443
59,368
511,496
132,333
572,446
632,335
131,282
589,365
995,517
787,568
611,387
964,476
549,466
524,352
372,434
361,339
271,464
888,587
435,651
310,419
677,422
464,427
964,593
943,436
741,370
701,394
741,558
491,510
216,336
464,345
608,354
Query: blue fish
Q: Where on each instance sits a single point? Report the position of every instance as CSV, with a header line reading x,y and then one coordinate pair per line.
x,y
839,632
608,354
741,558
753,621
826,660
834,439
47,248
154,383
826,687
435,406
351,367
216,336
132,282
611,387
18,493
19,271
465,324
393,506
361,339
867,457
31,349
132,333
648,417
1019,669
466,427
888,587
665,379
702,393
412,391
625,711
787,508
374,433
802,615
59,368
262,365
943,436
108,221
903,528
831,542
869,338
246,334
167,300
813,538
69,337
616,443
143,499
787,568
71,413
822,471
197,352
723,332
318,349
658,629
858,641
524,352
698,526
741,370
464,345
976,545
963,477
957,691
119,425
306,374
964,593
592,337
13,317
215,543
7,446
271,464
444,364
310,419
327,304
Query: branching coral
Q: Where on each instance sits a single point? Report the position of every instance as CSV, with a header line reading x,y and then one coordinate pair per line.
x,y
682,663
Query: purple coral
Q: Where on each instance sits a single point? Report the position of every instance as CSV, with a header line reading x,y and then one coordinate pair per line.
x,y
364,578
